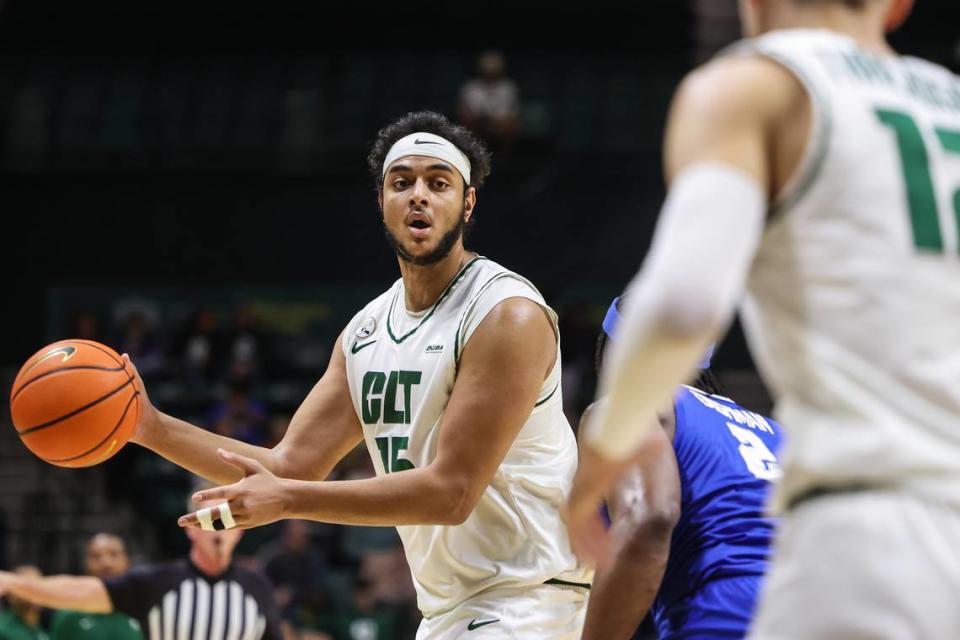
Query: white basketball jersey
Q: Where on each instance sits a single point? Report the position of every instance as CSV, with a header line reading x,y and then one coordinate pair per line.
x,y
401,369
853,305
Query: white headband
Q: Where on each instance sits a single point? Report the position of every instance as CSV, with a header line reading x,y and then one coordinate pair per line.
x,y
432,146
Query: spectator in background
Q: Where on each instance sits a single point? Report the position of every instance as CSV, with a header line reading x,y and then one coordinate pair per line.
x,y
85,326
200,347
22,620
246,347
389,575
137,340
276,429
239,415
105,558
366,619
297,571
490,103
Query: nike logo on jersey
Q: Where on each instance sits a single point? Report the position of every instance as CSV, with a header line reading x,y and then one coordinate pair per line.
x,y
357,348
476,625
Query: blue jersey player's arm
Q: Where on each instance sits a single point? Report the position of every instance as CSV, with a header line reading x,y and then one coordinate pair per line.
x,y
644,509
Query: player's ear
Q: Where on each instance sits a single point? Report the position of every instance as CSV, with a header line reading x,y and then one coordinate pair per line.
x,y
897,14
469,202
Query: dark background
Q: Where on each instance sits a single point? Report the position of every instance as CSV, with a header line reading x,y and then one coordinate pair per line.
x,y
162,142
187,155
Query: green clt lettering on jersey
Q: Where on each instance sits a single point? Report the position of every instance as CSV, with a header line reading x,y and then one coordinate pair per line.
x,y
379,396
401,387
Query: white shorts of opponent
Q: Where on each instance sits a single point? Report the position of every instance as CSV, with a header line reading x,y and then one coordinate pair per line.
x,y
527,613
863,565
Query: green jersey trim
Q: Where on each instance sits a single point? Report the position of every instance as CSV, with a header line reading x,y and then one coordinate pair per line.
x,y
811,165
463,319
563,583
436,304
550,395
814,157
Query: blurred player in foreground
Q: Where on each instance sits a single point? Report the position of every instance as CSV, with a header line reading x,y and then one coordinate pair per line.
x,y
205,597
692,541
817,170
105,557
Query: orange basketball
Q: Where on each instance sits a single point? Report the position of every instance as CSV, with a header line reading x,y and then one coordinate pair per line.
x,y
75,403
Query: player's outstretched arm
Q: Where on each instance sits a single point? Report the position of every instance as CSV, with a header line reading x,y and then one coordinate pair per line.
x,y
322,431
645,508
502,368
718,163
79,593
724,156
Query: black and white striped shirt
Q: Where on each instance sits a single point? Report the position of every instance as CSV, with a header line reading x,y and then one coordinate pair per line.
x,y
177,601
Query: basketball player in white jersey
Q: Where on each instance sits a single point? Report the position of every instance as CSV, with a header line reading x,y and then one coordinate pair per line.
x,y
452,379
818,171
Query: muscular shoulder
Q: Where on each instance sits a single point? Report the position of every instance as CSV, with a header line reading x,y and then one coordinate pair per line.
x,y
515,330
516,319
738,86
730,94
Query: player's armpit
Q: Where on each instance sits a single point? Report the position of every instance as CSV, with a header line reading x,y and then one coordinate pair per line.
x,y
502,369
324,429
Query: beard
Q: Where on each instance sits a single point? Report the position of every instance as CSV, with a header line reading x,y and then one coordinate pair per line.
x,y
443,249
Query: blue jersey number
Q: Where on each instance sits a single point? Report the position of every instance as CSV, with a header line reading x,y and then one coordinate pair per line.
x,y
759,459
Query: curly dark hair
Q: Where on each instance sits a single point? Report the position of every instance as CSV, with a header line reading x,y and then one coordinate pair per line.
x,y
437,124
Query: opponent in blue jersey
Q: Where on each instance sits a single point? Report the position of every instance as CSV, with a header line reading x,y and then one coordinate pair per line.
x,y
691,539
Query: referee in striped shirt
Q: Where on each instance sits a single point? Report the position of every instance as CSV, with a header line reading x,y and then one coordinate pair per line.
x,y
203,597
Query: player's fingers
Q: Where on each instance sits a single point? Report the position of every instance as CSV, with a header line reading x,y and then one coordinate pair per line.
x,y
189,521
215,518
590,540
222,494
128,364
601,549
249,466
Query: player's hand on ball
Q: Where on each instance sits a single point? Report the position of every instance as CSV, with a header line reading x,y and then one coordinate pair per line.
x,y
149,416
259,499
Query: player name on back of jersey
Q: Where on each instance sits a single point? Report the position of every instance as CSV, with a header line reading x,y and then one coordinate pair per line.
x,y
740,416
935,89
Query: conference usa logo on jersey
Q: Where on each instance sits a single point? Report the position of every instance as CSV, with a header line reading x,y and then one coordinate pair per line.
x,y
367,328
